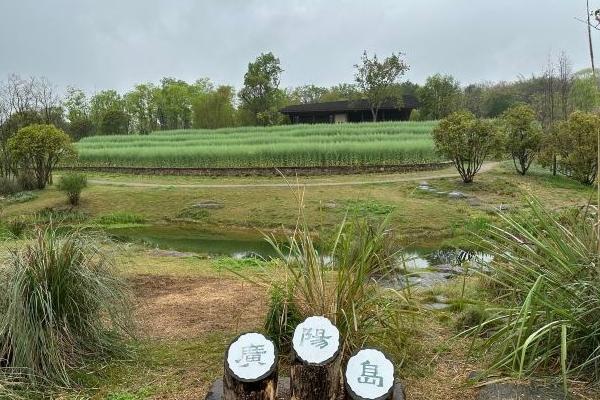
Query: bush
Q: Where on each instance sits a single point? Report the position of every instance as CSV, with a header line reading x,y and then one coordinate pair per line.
x,y
61,306
466,141
37,149
545,273
523,135
9,186
578,146
72,185
340,285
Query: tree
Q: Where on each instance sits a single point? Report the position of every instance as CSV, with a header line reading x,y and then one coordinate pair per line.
x,y
342,91
81,128
141,105
102,103
76,104
36,149
377,79
466,140
48,102
499,98
174,102
584,95
114,122
578,146
565,82
472,99
550,148
261,93
215,109
306,94
439,97
78,113
523,135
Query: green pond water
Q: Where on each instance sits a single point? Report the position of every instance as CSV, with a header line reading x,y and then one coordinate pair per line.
x,y
191,239
428,266
239,244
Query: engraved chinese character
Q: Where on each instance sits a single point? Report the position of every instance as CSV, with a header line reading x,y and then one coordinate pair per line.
x,y
369,374
251,354
318,339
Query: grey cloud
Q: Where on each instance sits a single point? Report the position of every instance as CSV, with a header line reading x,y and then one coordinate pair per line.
x,y
116,43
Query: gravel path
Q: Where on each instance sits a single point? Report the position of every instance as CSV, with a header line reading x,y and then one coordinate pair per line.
x,y
410,177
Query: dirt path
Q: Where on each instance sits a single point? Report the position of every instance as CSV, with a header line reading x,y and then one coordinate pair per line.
x,y
180,308
408,178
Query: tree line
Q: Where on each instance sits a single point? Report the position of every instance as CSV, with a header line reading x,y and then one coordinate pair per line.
x,y
552,96
177,104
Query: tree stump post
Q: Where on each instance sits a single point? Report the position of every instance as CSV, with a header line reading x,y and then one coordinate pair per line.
x,y
315,372
369,376
250,369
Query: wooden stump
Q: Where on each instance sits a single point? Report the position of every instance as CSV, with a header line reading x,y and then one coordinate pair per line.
x,y
315,372
250,369
369,376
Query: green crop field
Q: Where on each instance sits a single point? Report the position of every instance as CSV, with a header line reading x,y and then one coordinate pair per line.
x,y
385,143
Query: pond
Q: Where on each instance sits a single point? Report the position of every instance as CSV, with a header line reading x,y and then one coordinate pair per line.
x,y
427,266
188,238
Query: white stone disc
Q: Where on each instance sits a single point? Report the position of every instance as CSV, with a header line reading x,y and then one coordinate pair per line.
x,y
251,357
316,340
370,374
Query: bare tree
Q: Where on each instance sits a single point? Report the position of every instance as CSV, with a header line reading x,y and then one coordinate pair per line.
x,y
565,81
20,93
46,98
550,83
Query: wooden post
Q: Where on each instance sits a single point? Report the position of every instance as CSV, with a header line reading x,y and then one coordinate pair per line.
x,y
250,369
315,373
370,376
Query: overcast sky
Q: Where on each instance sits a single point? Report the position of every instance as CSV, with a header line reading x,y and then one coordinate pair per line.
x,y
99,44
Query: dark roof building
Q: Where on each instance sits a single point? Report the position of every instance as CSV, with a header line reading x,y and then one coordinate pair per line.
x,y
349,111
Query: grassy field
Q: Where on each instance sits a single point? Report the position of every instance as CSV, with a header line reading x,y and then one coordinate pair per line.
x,y
188,308
387,143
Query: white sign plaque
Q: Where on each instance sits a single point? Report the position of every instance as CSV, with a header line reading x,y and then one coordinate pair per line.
x,y
370,374
251,357
316,340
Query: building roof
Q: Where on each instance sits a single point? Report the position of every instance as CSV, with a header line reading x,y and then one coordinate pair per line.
x,y
348,105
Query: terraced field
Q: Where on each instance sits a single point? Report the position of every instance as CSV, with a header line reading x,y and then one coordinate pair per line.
x,y
386,143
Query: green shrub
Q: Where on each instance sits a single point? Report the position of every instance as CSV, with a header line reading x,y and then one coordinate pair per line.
x,y
61,305
72,185
546,276
467,141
